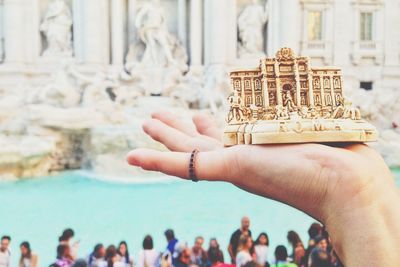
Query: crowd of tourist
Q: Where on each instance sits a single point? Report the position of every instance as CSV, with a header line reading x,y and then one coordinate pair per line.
x,y
243,251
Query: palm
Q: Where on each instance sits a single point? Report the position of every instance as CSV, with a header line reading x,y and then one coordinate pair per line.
x,y
305,176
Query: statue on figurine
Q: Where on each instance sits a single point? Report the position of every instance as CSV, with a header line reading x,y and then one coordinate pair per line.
x,y
251,24
57,29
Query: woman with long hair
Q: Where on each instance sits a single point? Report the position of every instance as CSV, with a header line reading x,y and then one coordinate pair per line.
x,y
148,256
261,249
214,245
112,257
244,254
298,248
123,253
28,258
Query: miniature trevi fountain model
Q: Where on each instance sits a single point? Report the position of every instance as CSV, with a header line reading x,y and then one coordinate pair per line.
x,y
286,100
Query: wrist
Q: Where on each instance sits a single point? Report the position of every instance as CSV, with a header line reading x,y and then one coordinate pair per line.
x,y
365,229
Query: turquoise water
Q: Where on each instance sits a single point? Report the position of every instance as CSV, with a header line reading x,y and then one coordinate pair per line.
x,y
38,210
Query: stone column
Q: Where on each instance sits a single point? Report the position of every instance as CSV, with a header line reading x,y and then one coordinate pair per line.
x,y
253,92
310,89
298,86
321,82
215,33
332,91
242,93
182,22
278,84
117,32
196,32
131,20
264,83
96,41
14,31
78,29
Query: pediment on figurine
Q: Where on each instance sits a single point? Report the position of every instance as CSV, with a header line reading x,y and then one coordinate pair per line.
x,y
285,53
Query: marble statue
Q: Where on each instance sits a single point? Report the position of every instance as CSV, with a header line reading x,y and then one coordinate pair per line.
x,y
152,30
157,60
251,22
61,91
57,29
151,25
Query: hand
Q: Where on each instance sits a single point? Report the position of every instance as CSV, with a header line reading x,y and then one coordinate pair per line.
x,y
348,188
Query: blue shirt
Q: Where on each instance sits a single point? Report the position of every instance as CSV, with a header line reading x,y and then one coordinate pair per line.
x,y
171,245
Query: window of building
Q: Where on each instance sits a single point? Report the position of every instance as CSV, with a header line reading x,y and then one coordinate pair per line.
x,y
366,85
314,25
366,26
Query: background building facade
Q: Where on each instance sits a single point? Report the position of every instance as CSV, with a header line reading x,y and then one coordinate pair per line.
x,y
360,36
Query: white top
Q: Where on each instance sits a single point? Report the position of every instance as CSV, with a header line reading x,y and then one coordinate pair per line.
x,y
150,256
242,258
261,253
122,260
5,258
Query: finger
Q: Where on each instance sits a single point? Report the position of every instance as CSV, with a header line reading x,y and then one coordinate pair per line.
x,y
176,140
172,138
208,165
207,126
173,121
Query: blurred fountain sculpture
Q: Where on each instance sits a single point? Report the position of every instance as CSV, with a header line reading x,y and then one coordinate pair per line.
x,y
251,24
57,29
157,58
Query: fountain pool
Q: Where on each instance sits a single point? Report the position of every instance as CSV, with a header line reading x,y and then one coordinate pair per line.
x,y
38,210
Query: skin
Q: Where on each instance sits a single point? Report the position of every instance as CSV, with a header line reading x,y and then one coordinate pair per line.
x,y
5,243
347,187
263,240
122,249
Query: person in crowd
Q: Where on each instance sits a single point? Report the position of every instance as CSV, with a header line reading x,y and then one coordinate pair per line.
x,y
112,257
198,254
5,253
148,256
123,253
321,244
214,257
314,231
234,240
181,255
97,257
281,258
170,236
28,258
244,254
214,245
320,258
66,238
261,249
64,257
298,252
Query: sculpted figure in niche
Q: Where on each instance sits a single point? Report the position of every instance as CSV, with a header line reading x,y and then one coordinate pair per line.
x,y
288,102
251,24
152,28
57,28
